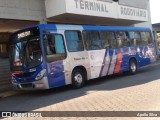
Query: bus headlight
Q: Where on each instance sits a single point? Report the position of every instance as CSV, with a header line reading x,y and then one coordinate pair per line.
x,y
41,74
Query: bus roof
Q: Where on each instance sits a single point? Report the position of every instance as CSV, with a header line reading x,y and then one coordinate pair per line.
x,y
87,27
124,28
91,27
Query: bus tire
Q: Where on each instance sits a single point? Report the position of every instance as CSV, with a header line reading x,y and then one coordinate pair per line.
x,y
133,66
77,78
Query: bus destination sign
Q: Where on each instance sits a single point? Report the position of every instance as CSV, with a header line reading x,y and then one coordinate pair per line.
x,y
24,34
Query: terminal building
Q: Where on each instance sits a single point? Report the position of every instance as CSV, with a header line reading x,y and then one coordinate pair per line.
x,y
17,14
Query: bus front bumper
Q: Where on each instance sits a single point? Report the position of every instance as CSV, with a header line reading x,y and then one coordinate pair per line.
x,y
36,85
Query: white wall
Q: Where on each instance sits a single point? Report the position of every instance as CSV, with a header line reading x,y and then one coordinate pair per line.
x,y
23,9
89,8
37,10
55,7
146,24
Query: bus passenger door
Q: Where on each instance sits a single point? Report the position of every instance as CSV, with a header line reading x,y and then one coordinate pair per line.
x,y
110,55
96,62
109,62
55,55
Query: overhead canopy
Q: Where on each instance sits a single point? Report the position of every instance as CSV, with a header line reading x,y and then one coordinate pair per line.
x,y
106,0
90,20
97,12
7,25
134,3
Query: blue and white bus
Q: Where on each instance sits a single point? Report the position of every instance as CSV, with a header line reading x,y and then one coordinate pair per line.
x,y
49,55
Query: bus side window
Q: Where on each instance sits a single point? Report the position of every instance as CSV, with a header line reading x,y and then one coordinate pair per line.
x,y
54,47
135,38
119,39
74,41
138,38
59,44
92,40
123,39
126,41
145,40
108,39
148,35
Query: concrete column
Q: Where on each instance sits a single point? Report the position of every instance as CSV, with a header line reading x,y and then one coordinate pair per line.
x,y
43,21
147,24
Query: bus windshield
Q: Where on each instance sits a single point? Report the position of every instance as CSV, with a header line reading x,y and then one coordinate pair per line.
x,y
26,53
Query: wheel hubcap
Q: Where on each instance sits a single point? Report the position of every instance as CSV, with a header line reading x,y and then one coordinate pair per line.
x,y
78,78
133,67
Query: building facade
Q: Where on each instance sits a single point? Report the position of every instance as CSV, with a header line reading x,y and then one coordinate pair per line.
x,y
16,14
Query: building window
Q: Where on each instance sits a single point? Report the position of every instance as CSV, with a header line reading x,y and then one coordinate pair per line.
x,y
74,41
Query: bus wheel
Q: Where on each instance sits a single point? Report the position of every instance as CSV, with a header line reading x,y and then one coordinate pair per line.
x,y
77,79
132,66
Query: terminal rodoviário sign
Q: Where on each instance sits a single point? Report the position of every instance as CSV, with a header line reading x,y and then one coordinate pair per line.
x,y
106,9
133,13
91,7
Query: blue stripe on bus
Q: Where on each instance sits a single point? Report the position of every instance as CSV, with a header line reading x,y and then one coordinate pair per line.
x,y
104,60
111,57
117,28
50,27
